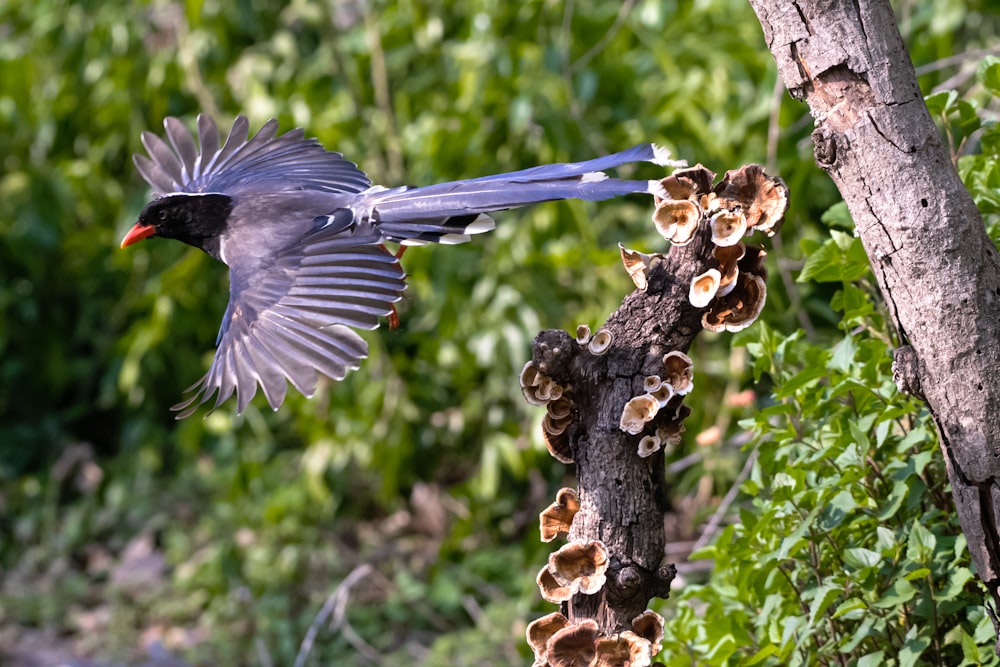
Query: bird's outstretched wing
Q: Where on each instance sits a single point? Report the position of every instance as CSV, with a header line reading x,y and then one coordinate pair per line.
x,y
294,320
265,162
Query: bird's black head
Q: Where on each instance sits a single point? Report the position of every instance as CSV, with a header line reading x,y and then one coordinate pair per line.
x,y
198,220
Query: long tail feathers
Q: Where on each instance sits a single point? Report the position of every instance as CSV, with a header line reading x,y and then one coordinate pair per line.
x,y
450,212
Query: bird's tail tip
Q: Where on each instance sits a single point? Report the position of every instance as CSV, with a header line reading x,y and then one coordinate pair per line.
x,y
661,157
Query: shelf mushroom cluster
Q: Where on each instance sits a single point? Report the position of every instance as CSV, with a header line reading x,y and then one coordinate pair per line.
x,y
661,401
557,642
541,390
744,201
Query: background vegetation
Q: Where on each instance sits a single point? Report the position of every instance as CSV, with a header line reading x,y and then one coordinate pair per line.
x,y
123,532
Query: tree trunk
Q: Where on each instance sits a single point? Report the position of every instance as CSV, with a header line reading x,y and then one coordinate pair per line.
x,y
935,265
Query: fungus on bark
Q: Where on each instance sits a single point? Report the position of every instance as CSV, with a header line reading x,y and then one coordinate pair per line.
x,y
626,649
728,258
704,288
648,445
677,220
573,646
556,519
763,198
540,631
637,412
678,371
552,589
738,309
728,226
637,265
580,564
649,625
582,334
600,343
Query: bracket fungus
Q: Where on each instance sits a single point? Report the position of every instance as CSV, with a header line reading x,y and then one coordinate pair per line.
x,y
583,333
551,589
648,445
637,265
704,288
728,258
728,226
649,625
626,649
637,412
580,565
540,631
573,646
678,371
600,343
556,519
738,309
677,220
763,198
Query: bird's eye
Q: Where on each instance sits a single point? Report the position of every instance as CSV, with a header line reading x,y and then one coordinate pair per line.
x,y
163,214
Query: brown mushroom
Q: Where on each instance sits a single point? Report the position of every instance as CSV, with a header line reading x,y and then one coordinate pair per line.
x,y
678,371
553,590
626,649
649,625
583,334
688,183
663,394
637,265
764,198
753,261
677,220
648,445
560,408
637,412
728,226
556,519
738,309
573,646
704,287
728,258
600,343
580,564
558,444
540,631
651,383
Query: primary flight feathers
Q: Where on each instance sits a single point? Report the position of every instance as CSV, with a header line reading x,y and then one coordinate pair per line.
x,y
301,229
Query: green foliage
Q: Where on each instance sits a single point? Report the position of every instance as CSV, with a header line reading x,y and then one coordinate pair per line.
x,y
848,550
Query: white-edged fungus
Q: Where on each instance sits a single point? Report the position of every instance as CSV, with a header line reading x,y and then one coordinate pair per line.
x,y
649,625
600,343
764,198
738,309
582,334
561,408
551,589
663,394
728,227
688,183
651,383
637,412
648,445
573,646
677,220
556,519
540,631
637,265
678,371
704,287
728,258
558,445
580,564
625,649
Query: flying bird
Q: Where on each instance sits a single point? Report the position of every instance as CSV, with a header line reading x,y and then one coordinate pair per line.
x,y
302,230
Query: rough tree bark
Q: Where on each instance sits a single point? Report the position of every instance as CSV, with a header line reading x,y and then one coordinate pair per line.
x,y
612,401
935,265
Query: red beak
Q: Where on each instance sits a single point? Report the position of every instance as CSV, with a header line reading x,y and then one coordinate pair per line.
x,y
138,232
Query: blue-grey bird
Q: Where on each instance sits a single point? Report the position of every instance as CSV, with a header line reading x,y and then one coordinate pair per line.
x,y
302,231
